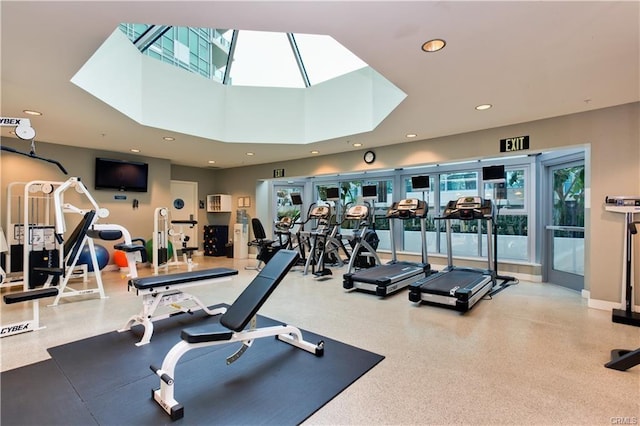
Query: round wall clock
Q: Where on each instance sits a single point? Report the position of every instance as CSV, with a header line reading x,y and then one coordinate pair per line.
x,y
369,157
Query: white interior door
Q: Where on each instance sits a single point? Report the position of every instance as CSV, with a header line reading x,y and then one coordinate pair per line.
x,y
184,206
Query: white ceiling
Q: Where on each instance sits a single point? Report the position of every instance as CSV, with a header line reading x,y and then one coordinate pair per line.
x,y
531,60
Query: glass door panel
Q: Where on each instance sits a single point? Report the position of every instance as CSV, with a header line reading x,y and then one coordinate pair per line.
x,y
564,254
284,203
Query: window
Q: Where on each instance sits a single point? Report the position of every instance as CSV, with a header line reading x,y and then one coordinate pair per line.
x,y
448,183
350,192
259,58
468,238
411,228
512,218
285,204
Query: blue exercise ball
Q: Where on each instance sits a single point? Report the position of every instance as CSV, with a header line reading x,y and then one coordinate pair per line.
x,y
102,255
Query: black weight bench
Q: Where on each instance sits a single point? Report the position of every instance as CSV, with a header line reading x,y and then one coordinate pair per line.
x,y
26,296
167,290
238,316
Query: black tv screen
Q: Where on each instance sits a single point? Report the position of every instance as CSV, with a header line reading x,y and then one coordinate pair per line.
x,y
369,191
493,173
121,175
333,194
296,199
420,182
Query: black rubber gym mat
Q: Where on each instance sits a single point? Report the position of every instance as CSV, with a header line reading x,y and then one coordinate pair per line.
x,y
40,394
102,363
272,383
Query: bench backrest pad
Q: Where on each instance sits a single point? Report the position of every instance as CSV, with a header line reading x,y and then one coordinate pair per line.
x,y
258,291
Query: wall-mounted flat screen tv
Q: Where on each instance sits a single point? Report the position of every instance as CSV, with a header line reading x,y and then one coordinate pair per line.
x,y
296,198
333,193
420,182
493,174
369,191
121,175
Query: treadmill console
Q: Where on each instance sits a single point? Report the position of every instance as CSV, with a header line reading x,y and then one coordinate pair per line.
x,y
320,212
468,208
409,208
359,212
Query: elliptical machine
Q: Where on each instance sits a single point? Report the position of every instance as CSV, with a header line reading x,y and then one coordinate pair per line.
x,y
318,240
364,241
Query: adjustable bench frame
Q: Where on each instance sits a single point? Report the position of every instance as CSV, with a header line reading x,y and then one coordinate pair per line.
x,y
167,290
26,296
240,314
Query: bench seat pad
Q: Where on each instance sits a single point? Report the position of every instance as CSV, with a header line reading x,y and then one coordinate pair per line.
x,y
206,334
181,278
23,296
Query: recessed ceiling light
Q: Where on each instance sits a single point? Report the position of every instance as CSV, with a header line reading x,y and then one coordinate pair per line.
x,y
357,144
483,107
169,138
315,152
250,153
411,135
211,161
31,112
434,45
134,150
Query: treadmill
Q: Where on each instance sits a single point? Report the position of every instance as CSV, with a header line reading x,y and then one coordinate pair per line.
x,y
389,278
457,287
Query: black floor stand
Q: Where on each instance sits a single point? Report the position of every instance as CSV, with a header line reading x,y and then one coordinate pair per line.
x,y
622,359
627,317
506,279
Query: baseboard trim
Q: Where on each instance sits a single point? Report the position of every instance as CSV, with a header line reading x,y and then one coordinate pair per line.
x,y
605,305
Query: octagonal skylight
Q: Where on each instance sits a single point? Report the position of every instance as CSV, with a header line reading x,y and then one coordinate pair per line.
x,y
238,86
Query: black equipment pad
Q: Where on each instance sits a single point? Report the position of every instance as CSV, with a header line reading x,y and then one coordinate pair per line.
x,y
181,278
72,245
105,234
129,247
23,296
253,297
